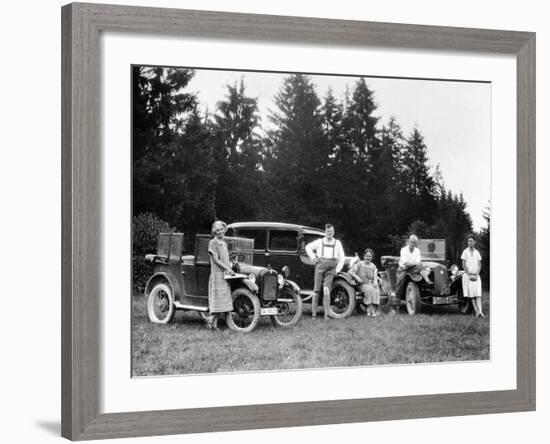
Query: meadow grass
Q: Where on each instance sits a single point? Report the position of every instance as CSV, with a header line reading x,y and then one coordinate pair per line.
x,y
185,346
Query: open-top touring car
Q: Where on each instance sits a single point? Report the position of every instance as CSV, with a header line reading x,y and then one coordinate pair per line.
x,y
414,292
180,282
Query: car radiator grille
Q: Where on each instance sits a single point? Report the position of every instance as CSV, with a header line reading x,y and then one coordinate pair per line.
x,y
440,279
269,289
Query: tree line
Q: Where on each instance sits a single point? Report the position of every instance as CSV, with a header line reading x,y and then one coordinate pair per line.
x,y
319,160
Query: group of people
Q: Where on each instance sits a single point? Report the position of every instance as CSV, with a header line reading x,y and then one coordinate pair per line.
x,y
327,255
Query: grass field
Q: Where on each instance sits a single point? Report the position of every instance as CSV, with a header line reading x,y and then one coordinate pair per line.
x,y
185,346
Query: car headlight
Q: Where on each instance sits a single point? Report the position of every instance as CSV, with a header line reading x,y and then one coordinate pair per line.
x,y
280,280
454,269
252,277
285,271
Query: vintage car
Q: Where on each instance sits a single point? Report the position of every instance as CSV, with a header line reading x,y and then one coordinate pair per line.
x,y
181,283
414,292
281,246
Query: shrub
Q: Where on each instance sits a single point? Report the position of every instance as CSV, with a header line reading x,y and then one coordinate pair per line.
x,y
145,231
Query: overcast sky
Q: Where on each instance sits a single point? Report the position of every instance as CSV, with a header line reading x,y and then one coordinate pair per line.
x,y
454,118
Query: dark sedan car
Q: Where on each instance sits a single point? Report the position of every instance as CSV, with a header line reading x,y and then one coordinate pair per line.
x,y
281,246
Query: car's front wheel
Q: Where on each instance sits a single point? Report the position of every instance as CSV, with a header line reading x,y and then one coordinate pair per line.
x,y
464,304
290,307
160,304
246,311
342,299
412,298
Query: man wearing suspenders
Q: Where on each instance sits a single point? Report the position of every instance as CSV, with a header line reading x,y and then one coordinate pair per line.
x,y
328,257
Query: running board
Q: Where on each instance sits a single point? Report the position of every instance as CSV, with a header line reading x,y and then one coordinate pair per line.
x,y
181,306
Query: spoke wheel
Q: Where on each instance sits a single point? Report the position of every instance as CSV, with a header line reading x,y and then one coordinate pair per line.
x,y
342,299
290,307
160,304
246,311
412,298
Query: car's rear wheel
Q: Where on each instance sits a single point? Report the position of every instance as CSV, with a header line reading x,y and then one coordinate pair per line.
x,y
342,299
246,311
412,298
464,304
160,304
289,303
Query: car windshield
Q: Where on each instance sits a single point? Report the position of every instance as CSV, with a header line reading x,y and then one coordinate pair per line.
x,y
257,234
283,240
240,249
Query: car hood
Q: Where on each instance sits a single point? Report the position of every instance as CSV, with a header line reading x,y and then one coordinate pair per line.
x,y
247,269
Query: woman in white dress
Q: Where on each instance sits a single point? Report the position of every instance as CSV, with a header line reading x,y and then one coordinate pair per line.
x,y
471,281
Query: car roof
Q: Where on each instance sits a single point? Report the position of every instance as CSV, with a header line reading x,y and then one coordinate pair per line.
x,y
281,225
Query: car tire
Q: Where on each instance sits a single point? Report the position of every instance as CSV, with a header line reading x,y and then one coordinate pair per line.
x,y
293,310
412,298
246,311
160,304
465,306
342,300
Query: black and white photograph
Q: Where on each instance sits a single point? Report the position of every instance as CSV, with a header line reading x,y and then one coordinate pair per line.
x,y
306,221
271,222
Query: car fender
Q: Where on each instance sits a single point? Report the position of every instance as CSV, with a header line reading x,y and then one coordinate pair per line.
x,y
456,280
346,277
162,276
252,286
293,285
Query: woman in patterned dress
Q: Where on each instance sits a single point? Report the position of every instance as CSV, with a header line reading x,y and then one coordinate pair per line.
x,y
219,291
366,274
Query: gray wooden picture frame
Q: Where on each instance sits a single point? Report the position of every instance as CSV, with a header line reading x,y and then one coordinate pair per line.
x,y
81,253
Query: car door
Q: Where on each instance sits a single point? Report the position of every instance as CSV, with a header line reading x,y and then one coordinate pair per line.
x,y
305,266
282,249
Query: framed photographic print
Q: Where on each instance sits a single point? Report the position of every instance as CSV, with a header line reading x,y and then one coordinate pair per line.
x,y
254,202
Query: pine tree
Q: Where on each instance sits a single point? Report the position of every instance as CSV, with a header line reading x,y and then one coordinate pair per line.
x,y
298,154
484,246
417,185
237,150
384,180
353,165
173,174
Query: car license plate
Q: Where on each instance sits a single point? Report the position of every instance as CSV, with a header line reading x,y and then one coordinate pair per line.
x,y
268,311
442,300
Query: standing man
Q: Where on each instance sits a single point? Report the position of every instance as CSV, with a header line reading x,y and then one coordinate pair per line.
x,y
328,257
410,261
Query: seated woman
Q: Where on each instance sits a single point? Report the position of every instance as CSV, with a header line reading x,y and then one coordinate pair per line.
x,y
366,274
